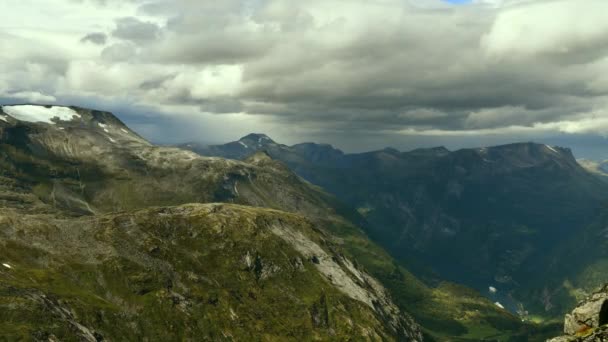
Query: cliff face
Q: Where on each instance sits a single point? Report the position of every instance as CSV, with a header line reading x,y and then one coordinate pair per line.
x,y
588,322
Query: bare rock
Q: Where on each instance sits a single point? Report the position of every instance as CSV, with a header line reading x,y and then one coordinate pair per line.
x,y
591,313
588,322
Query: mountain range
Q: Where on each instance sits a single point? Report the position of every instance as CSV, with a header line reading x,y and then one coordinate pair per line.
x,y
106,236
504,220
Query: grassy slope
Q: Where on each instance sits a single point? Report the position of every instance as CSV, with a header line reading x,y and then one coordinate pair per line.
x,y
167,274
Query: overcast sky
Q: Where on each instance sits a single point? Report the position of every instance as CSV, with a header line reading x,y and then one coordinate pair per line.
x,y
354,73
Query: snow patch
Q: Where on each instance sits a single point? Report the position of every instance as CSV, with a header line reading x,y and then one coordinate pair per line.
x,y
492,289
7,266
551,148
499,305
40,114
104,126
3,118
124,130
112,140
262,138
244,145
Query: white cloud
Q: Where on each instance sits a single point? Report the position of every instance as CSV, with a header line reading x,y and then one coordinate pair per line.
x,y
385,65
496,117
33,97
561,27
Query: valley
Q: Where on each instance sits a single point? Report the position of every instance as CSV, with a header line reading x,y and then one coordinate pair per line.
x,y
489,217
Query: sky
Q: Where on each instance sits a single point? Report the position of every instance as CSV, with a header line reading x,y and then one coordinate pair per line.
x,y
359,74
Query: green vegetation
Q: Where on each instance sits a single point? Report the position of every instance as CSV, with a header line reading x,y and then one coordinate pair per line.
x,y
446,311
194,272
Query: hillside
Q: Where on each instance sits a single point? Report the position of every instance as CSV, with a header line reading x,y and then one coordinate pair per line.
x,y
195,271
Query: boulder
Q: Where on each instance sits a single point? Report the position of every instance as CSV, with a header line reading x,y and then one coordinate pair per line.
x,y
591,313
588,322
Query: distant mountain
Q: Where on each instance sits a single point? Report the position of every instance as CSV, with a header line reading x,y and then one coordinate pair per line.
x,y
483,217
238,149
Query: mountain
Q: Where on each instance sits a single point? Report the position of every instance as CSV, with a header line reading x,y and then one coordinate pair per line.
x,y
484,217
238,149
107,237
575,267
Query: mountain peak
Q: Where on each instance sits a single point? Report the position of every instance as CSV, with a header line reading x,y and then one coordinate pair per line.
x,y
531,149
258,138
36,113
430,151
521,155
391,150
62,121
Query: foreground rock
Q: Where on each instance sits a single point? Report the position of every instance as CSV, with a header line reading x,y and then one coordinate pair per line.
x,y
588,322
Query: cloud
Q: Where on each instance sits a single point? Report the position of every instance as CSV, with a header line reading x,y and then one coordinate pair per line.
x,y
98,38
133,29
551,29
119,52
331,67
31,97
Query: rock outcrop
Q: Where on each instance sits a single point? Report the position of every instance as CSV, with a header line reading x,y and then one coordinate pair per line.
x,y
588,322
